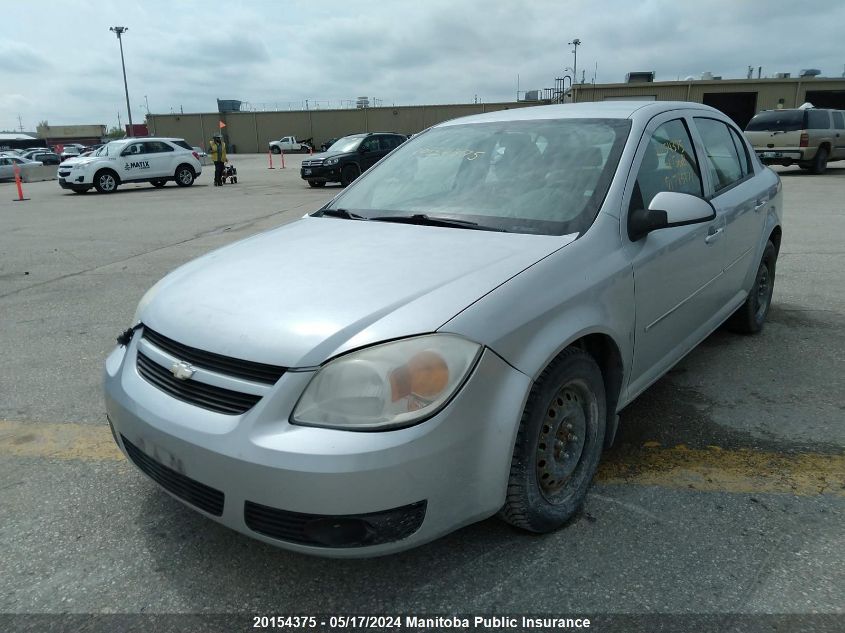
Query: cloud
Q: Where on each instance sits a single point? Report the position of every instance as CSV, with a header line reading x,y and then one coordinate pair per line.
x,y
20,59
279,53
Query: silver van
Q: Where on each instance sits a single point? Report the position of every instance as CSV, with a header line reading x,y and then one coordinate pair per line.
x,y
809,137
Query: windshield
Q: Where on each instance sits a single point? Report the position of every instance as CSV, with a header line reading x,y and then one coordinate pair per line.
x,y
777,121
547,177
346,144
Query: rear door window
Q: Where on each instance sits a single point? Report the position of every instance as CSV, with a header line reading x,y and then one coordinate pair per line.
x,y
722,158
818,120
838,120
742,151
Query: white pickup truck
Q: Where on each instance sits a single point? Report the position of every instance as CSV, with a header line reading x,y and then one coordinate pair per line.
x,y
289,144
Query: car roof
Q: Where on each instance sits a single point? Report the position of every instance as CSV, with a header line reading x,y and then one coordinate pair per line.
x,y
586,110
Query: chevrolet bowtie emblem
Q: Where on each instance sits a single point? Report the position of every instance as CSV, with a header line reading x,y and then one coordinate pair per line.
x,y
182,370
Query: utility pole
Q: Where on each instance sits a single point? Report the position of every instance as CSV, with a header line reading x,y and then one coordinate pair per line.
x,y
576,43
120,30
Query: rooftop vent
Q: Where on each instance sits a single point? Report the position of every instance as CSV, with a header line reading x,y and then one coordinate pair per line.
x,y
639,77
810,72
782,75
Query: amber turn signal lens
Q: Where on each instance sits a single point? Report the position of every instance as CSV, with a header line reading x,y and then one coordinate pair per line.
x,y
425,375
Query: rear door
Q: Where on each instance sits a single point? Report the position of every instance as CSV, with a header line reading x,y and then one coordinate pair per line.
x,y
161,157
819,130
838,134
676,270
736,195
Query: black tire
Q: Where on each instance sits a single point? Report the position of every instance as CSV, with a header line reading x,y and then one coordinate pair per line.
x,y
558,445
348,174
276,150
751,315
158,183
316,183
106,181
820,161
185,175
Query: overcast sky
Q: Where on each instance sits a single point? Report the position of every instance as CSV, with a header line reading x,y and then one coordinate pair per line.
x,y
60,63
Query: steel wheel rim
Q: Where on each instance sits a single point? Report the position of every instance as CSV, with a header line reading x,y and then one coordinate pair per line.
x,y
567,421
763,291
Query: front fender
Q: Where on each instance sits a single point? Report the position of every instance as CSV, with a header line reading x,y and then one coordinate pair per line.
x,y
584,288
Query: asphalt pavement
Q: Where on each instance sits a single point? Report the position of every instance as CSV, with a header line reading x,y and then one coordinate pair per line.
x,y
725,492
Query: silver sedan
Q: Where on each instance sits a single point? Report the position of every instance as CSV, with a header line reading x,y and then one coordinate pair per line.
x,y
501,287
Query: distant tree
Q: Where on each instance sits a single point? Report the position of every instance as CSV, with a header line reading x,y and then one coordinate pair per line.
x,y
115,132
43,124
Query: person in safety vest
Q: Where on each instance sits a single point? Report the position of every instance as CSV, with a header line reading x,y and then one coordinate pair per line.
x,y
217,152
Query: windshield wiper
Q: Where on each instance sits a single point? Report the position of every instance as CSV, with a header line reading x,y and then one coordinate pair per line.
x,y
342,213
427,220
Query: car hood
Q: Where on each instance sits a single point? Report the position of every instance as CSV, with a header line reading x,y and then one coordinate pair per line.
x,y
302,293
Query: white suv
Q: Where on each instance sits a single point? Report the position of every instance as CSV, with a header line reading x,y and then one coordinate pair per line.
x,y
153,160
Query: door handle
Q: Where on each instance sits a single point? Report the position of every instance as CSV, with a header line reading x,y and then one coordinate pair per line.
x,y
713,234
760,204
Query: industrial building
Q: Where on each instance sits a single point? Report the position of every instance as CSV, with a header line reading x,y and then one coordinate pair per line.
x,y
740,99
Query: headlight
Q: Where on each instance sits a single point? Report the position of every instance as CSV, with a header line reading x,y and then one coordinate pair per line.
x,y
387,386
330,161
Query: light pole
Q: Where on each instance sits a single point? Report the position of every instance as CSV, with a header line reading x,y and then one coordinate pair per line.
x,y
120,30
576,43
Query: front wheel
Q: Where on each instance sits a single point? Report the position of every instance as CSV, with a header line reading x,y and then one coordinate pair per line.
x,y
105,181
184,176
558,445
316,183
348,174
276,150
751,315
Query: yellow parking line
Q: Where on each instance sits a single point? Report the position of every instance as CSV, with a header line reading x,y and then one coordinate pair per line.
x,y
708,469
89,442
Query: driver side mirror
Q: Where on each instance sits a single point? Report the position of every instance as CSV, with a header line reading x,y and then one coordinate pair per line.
x,y
669,209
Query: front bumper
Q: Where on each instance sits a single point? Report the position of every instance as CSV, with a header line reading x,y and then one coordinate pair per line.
x,y
321,173
453,466
781,156
70,180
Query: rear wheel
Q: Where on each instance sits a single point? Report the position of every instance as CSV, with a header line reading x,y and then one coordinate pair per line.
x,y
348,174
316,183
558,444
820,161
751,315
184,176
105,181
158,183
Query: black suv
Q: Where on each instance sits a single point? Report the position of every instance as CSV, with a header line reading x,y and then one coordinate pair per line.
x,y
348,158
